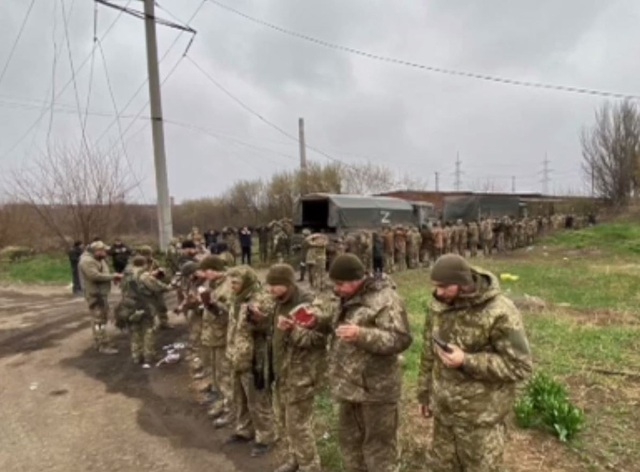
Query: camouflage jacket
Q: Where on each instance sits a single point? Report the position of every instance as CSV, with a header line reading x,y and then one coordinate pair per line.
x,y
489,329
368,369
138,286
96,278
215,318
248,341
299,354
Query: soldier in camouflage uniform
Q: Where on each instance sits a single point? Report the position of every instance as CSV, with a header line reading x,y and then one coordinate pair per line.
x,y
438,240
400,249
248,343
462,238
370,331
190,307
455,238
474,238
317,259
365,245
471,389
138,287
486,233
96,283
216,301
298,358
388,249
447,233
304,250
158,303
427,245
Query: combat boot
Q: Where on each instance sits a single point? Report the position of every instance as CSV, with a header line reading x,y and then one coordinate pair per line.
x,y
259,449
224,421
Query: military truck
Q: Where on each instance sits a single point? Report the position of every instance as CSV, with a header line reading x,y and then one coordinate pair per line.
x,y
336,213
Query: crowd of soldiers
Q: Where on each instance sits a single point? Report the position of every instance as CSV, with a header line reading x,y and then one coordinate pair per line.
x,y
265,351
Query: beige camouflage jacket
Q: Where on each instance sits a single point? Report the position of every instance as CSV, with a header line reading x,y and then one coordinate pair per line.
x,y
299,355
96,278
215,319
489,328
368,370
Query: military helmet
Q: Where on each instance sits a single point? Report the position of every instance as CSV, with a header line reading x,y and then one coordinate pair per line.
x,y
145,250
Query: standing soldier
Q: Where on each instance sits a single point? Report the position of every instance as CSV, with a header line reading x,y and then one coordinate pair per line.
x,y
304,251
474,238
427,246
366,249
299,350
138,287
317,259
475,352
157,300
75,254
454,245
371,330
248,340
96,282
410,248
438,240
462,238
486,226
416,243
388,249
263,243
120,254
216,300
190,307
447,231
400,249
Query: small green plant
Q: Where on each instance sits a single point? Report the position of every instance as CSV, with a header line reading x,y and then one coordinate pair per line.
x,y
545,405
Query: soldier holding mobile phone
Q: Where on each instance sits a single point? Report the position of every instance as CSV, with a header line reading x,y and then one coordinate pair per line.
x,y
475,352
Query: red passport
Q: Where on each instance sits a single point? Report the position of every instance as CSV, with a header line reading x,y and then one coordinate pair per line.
x,y
302,315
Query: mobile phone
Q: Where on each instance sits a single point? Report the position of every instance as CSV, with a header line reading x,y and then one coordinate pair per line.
x,y
442,345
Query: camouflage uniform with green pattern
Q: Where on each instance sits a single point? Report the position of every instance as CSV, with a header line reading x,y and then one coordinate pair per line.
x,y
366,376
470,403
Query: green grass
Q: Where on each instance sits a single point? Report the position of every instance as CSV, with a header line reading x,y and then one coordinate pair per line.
x,y
41,268
620,238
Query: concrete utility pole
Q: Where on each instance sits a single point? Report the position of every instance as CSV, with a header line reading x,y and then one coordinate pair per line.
x,y
303,157
165,223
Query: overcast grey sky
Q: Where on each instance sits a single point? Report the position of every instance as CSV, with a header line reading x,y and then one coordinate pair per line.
x,y
355,109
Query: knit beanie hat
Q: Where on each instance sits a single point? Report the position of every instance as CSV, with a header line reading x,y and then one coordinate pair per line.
x,y
145,250
213,262
281,274
189,268
139,261
452,269
346,268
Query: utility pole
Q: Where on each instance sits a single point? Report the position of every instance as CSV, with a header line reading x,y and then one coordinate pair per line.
x,y
513,184
458,173
303,158
437,181
165,224
546,172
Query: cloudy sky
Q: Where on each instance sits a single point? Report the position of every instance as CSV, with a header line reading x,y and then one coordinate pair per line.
x,y
356,109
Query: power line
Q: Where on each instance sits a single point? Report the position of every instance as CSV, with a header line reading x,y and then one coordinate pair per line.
x,y
93,57
259,116
59,94
14,46
141,16
439,70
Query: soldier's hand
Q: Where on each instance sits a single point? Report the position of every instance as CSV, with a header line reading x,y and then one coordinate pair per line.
x,y
254,313
348,332
284,323
454,359
310,323
425,411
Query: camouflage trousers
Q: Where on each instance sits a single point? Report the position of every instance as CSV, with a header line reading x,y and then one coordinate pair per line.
x,y
295,424
401,262
194,320
466,448
99,309
368,436
473,248
487,247
317,274
143,340
159,306
388,263
216,359
253,410
414,259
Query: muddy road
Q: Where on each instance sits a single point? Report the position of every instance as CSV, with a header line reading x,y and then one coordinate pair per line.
x,y
66,408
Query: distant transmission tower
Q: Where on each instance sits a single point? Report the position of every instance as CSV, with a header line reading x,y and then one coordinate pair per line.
x,y
546,175
458,174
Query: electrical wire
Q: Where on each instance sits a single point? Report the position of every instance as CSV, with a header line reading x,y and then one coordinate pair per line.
x,y
91,70
429,68
14,46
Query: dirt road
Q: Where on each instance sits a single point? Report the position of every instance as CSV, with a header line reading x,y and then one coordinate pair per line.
x,y
65,408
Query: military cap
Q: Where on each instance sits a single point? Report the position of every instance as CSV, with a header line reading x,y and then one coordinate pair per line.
x,y
452,269
98,245
347,268
213,262
281,274
145,250
306,232
189,268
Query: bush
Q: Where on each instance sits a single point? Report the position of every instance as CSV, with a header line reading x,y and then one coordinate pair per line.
x,y
545,405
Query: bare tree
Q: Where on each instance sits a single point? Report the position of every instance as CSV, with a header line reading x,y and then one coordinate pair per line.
x,y
611,152
367,178
76,192
488,185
